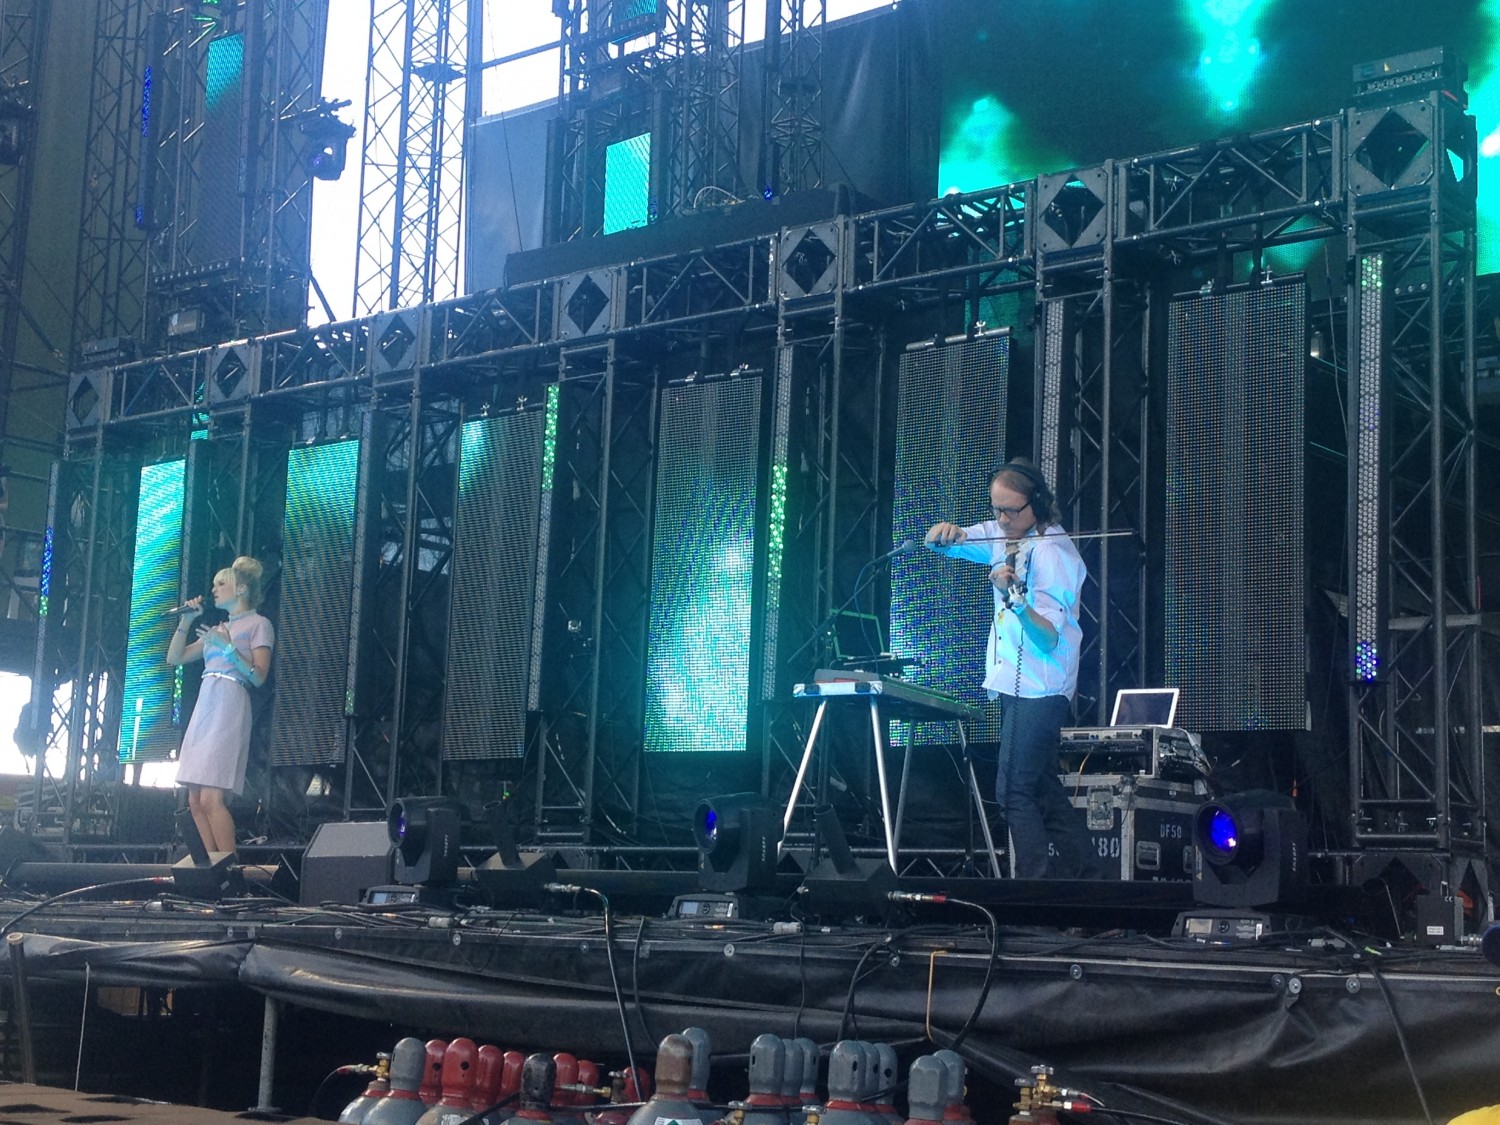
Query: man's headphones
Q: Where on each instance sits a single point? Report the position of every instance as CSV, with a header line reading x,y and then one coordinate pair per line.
x,y
1041,496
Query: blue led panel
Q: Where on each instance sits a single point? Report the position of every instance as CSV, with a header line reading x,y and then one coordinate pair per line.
x,y
153,689
703,543
317,582
950,436
627,183
225,69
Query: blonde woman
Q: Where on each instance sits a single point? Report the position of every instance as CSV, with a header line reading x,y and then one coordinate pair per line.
x,y
236,657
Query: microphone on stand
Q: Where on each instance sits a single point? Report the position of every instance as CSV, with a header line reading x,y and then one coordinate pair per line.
x,y
905,547
866,575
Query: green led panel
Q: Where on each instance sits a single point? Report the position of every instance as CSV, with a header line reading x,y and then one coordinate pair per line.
x,y
317,583
153,689
492,612
703,567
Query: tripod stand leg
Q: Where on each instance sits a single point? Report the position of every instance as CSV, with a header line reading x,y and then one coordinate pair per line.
x,y
807,753
885,789
984,824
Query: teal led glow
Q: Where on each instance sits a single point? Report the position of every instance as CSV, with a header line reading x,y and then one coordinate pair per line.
x,y
703,548
322,490
1231,53
321,485
474,451
152,700
698,670
1484,104
1295,257
549,437
226,66
627,183
985,147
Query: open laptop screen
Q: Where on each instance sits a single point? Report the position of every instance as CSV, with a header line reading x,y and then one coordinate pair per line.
x,y
1144,707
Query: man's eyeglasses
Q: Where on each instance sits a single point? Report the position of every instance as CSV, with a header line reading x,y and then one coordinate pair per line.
x,y
1011,512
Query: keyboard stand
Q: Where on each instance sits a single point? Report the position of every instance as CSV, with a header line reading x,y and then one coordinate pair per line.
x,y
903,701
974,793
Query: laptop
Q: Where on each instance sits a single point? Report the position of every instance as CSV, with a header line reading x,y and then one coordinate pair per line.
x,y
1144,707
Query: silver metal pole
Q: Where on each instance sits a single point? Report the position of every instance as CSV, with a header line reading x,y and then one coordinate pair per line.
x,y
267,1057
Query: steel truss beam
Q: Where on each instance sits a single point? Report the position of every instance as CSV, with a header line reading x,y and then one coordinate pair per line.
x,y
1415,713
143,252
697,84
417,103
394,736
1091,436
23,38
792,156
1242,193
109,282
685,61
586,753
81,637
832,400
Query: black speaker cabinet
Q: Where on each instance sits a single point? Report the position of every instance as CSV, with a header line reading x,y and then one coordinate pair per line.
x,y
344,860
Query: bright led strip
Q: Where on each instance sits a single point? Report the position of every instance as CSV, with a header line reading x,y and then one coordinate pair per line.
x,y
1365,610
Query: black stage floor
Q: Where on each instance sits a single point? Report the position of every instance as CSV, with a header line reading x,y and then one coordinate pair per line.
x,y
1301,1026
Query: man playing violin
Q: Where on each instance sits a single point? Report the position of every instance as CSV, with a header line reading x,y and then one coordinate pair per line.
x,y
1031,664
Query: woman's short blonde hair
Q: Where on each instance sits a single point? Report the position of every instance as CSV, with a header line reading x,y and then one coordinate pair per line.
x,y
246,573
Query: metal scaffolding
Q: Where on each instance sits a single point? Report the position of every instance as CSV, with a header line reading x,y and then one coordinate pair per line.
x,y
698,86
675,74
421,89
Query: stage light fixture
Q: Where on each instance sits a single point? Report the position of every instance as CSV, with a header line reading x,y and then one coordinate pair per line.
x,y
425,831
508,878
738,838
328,139
1489,943
1251,850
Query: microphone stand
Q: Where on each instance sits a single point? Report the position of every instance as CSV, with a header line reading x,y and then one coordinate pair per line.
x,y
865,576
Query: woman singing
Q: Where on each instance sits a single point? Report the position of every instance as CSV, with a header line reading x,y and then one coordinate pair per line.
x,y
236,657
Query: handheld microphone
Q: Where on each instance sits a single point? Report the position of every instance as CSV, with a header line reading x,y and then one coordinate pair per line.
x,y
185,607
